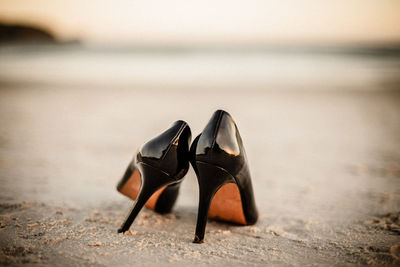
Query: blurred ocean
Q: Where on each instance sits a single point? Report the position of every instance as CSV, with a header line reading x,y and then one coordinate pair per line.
x,y
223,69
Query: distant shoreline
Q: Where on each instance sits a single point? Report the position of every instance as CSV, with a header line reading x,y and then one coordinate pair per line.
x,y
384,50
16,36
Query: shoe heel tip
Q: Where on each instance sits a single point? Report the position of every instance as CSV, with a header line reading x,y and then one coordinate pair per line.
x,y
197,240
121,231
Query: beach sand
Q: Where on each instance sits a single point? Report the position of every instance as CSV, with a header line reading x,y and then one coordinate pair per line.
x,y
325,167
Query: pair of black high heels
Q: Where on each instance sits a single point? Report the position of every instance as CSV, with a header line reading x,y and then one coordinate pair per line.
x,y
219,160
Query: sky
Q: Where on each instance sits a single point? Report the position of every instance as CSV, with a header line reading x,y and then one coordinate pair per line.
x,y
212,21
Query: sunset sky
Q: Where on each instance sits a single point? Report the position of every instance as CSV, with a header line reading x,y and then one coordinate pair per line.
x,y
211,21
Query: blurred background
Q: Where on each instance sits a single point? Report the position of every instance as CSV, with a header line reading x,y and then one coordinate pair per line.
x,y
267,45
313,86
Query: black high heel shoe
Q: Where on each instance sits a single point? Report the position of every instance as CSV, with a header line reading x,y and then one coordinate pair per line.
x,y
219,160
161,165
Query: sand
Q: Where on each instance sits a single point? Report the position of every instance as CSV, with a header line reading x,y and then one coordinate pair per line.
x,y
325,167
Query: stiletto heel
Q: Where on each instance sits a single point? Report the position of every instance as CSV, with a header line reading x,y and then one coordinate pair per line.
x,y
210,179
161,165
153,179
161,201
220,163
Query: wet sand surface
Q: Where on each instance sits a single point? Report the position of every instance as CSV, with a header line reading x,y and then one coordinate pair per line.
x,y
325,167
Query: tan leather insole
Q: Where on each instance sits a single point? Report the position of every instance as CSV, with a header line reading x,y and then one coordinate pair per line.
x,y
227,205
132,187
